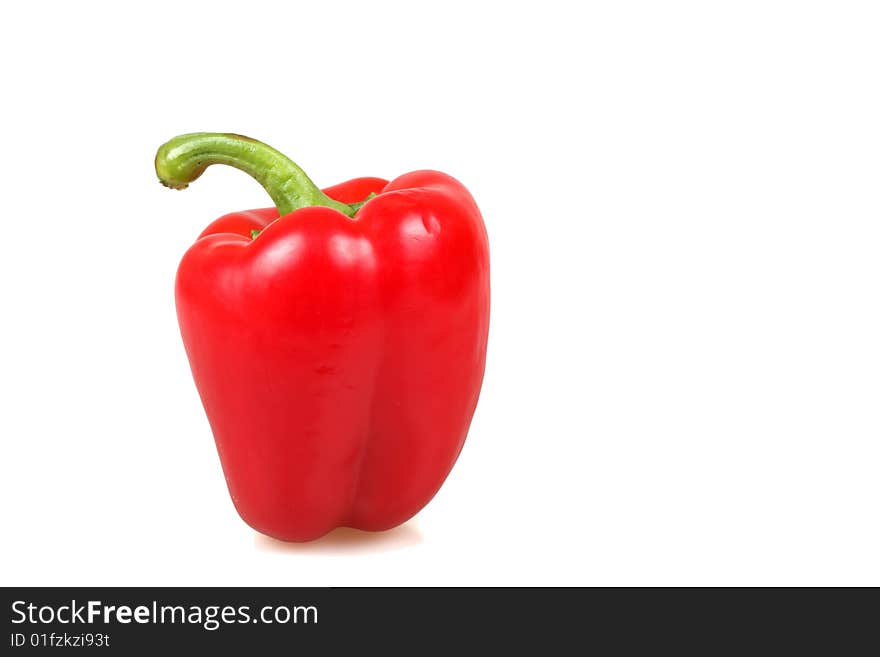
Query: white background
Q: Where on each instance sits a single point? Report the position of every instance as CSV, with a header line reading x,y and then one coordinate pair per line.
x,y
683,204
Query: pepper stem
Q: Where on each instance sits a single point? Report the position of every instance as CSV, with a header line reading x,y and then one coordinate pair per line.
x,y
185,158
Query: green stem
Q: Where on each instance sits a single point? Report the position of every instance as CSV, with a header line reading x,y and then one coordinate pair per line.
x,y
185,158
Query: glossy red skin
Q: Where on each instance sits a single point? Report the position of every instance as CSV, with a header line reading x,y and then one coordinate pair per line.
x,y
340,360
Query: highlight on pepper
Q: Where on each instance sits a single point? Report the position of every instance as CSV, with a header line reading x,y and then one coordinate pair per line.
x,y
337,339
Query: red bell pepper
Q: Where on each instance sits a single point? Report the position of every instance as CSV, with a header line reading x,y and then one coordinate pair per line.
x,y
338,350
